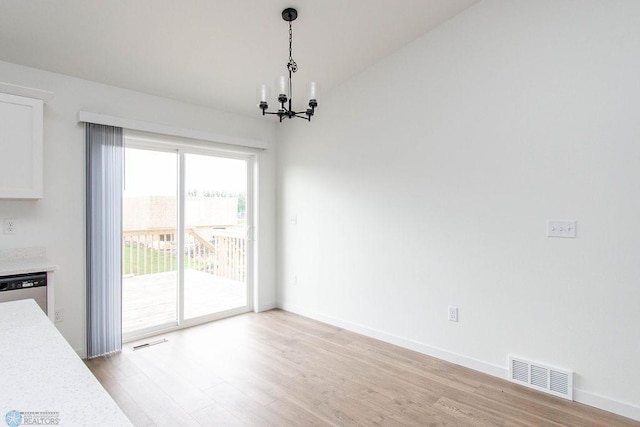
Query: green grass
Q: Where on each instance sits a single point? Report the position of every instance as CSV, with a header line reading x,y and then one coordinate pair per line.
x,y
157,261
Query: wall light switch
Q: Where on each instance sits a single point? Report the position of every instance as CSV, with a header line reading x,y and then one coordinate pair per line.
x,y
561,228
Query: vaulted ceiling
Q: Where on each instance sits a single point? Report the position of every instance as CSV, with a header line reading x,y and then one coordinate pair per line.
x,y
212,52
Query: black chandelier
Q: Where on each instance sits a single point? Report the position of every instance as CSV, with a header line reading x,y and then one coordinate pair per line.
x,y
284,92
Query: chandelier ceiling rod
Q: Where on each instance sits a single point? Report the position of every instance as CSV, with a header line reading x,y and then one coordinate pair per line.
x,y
285,94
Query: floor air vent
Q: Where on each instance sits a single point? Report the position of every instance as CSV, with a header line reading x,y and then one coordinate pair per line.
x,y
148,344
540,377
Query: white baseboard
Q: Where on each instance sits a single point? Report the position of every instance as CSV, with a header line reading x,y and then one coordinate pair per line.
x,y
458,359
607,404
581,396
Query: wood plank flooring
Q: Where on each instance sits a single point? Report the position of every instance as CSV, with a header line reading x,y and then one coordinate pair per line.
x,y
281,369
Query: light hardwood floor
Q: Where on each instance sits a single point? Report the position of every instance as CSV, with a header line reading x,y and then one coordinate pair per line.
x,y
280,369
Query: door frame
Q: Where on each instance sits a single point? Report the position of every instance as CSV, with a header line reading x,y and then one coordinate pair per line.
x,y
181,146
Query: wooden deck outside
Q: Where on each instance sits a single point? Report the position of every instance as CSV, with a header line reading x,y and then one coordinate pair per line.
x,y
150,299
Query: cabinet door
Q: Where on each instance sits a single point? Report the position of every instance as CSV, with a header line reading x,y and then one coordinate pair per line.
x,y
20,147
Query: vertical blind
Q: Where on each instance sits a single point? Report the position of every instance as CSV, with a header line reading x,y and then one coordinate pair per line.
x,y
104,177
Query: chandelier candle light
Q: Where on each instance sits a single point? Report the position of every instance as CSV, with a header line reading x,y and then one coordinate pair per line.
x,y
284,92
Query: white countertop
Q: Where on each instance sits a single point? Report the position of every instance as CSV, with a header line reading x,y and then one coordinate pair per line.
x,y
26,265
24,261
40,372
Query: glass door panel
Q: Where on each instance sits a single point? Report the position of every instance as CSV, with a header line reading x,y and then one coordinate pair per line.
x,y
149,235
215,235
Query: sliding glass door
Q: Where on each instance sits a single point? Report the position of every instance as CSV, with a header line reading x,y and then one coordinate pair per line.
x,y
186,217
215,227
149,237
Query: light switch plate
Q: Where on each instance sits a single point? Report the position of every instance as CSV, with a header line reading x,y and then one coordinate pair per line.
x,y
561,228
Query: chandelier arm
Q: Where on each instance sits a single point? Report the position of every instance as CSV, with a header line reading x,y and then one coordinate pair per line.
x,y
289,114
284,108
305,117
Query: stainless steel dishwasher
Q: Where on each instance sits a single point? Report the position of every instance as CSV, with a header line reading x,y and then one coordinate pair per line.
x,y
25,286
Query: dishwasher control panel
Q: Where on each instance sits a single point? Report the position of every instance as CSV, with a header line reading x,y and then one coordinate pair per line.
x,y
22,281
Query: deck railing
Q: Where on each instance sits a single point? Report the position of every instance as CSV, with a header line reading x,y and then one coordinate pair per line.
x,y
155,251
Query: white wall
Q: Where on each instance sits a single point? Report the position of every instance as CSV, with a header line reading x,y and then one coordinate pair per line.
x,y
426,181
57,221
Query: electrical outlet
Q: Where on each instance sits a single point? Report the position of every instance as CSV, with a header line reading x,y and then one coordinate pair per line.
x,y
453,314
59,315
9,226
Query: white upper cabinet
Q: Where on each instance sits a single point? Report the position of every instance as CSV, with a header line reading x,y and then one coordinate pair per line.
x,y
20,147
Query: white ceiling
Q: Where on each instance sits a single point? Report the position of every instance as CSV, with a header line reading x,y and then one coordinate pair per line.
x,y
211,52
